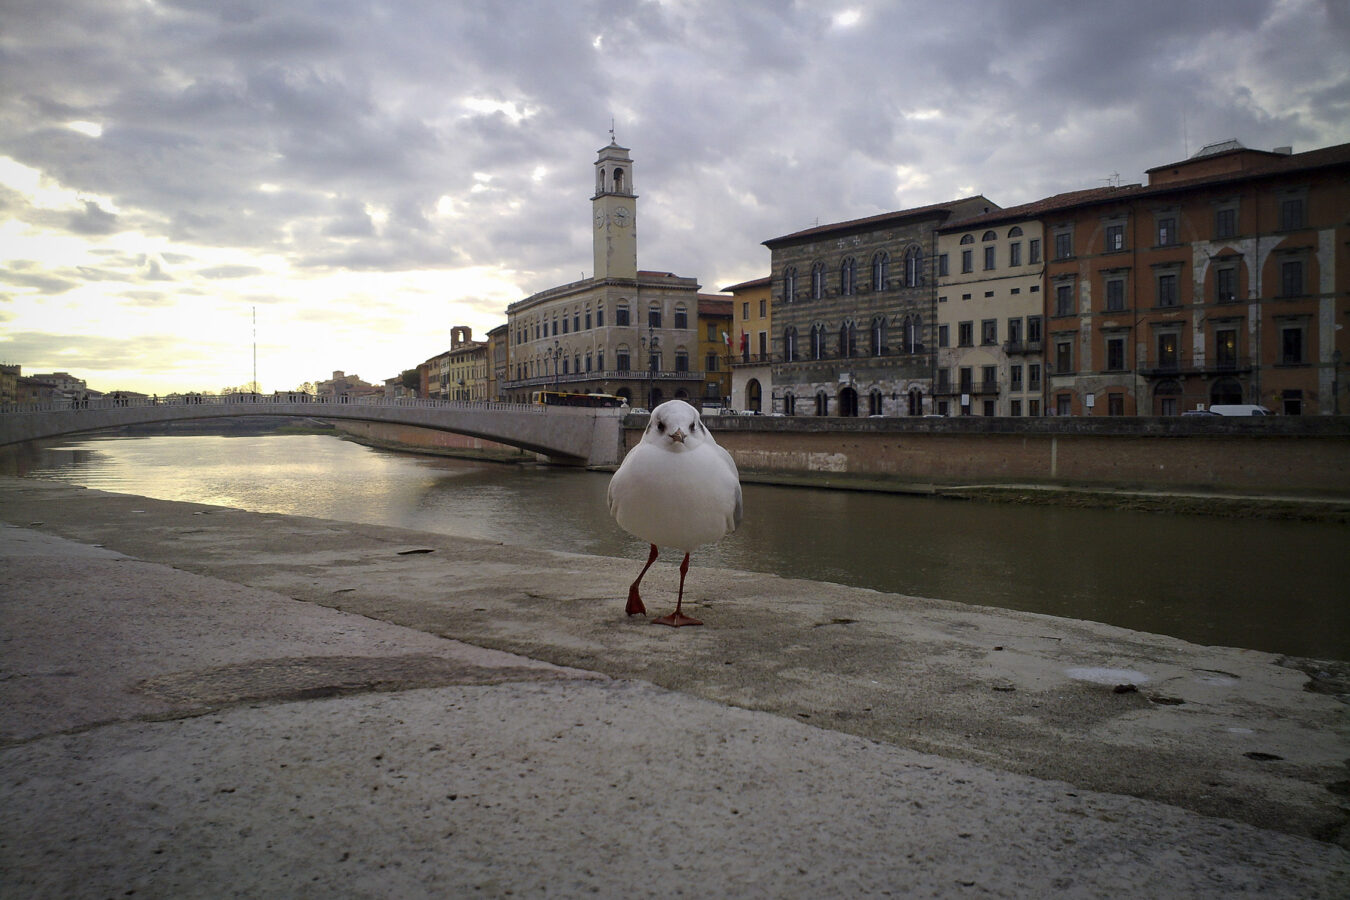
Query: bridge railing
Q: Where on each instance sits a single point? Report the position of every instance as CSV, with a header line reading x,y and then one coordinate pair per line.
x,y
234,400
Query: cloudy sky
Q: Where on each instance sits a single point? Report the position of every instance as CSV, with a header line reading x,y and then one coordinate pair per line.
x,y
362,176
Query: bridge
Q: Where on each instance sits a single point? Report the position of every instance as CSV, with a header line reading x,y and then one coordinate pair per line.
x,y
566,435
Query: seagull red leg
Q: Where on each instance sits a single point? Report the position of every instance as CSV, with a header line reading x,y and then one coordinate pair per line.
x,y
635,607
677,618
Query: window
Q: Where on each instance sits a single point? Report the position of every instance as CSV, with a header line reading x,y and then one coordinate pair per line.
x,y
1063,356
789,345
1015,407
789,284
654,360
1064,404
600,360
1225,348
880,265
1225,284
944,380
745,310
1034,384
600,316
1015,331
943,268
1291,213
1015,254
653,316
987,408
822,404
1167,289
1291,345
1115,404
1063,244
818,281
621,359
682,321
988,258
874,402
848,344
763,306
763,345
1064,299
1015,378
1034,251
967,384
988,236
1115,294
1115,238
1169,351
1291,278
848,277
989,332
988,378
913,267
1167,231
817,341
879,336
967,260
588,320
1015,231
621,314
967,238
682,361
1225,223
965,334
1115,354
576,321
1033,329
943,333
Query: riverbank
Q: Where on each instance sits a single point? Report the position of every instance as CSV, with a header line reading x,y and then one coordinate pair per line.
x,y
801,703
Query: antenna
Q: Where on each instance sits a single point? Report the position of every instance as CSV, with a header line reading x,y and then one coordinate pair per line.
x,y
255,351
611,129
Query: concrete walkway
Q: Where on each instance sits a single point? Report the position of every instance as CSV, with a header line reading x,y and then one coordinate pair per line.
x,y
184,713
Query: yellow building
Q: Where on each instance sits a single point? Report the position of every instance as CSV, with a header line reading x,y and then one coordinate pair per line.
x,y
714,348
751,324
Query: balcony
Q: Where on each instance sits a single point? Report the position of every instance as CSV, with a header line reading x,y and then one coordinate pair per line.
x,y
1022,347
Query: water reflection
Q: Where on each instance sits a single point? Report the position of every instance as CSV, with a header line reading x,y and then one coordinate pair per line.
x,y
1268,585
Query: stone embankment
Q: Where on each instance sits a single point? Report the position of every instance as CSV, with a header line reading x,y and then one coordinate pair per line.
x,y
199,700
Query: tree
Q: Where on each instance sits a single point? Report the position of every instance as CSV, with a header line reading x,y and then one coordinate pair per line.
x,y
411,379
306,388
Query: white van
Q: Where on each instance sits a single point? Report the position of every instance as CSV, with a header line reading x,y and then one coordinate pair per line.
x,y
1239,409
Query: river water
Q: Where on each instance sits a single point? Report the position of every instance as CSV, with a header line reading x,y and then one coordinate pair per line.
x,y
1258,584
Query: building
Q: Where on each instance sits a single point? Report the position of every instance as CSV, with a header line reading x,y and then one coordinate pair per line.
x,y
622,331
990,310
342,385
466,366
752,324
498,360
1222,280
854,313
714,348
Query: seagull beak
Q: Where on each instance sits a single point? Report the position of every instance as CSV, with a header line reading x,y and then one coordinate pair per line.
x,y
677,436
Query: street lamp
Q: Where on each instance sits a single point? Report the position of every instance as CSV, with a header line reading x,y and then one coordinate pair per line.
x,y
650,345
556,353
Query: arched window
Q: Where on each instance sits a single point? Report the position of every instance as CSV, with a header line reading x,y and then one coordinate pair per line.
x,y
881,264
789,344
848,402
618,181
822,403
789,404
879,336
681,360
621,313
818,281
911,334
754,396
848,277
622,358
1015,231
681,316
967,238
913,267
817,341
874,402
654,316
848,343
916,402
789,284
989,236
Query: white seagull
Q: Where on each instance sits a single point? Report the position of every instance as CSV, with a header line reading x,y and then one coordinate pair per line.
x,y
677,488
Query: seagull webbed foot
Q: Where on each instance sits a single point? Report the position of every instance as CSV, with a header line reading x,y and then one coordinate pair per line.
x,y
675,620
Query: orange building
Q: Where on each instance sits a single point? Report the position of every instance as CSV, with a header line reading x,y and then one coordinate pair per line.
x,y
1225,279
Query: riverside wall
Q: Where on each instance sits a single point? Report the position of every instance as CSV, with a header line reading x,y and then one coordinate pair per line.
x,y
1277,454
424,440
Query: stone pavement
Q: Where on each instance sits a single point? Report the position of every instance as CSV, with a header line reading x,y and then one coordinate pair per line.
x,y
175,723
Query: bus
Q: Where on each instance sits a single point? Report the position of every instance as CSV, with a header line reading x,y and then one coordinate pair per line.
x,y
563,398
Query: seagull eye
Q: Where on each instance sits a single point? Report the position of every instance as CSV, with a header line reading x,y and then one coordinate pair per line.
x,y
661,427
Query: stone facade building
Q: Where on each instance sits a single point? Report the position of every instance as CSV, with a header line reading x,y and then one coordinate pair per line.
x,y
622,331
854,313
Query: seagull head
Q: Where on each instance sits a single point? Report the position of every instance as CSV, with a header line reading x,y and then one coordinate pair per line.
x,y
675,425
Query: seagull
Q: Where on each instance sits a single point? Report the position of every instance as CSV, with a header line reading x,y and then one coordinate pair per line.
x,y
676,488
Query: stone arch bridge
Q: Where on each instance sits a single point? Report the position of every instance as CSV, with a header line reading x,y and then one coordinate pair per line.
x,y
566,435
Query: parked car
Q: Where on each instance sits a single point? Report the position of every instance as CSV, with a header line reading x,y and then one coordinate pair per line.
x,y
1239,409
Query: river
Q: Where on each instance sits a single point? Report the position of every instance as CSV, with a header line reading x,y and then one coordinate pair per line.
x,y
1258,584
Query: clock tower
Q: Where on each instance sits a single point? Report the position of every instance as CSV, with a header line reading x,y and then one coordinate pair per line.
x,y
614,212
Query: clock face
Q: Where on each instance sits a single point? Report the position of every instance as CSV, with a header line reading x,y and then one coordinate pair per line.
x,y
622,216
599,218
